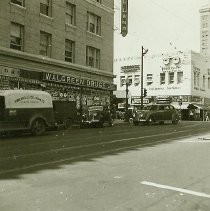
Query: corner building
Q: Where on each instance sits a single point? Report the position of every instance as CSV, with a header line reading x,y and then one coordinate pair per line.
x,y
64,47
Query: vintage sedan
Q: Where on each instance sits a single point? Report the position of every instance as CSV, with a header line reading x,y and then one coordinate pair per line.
x,y
97,116
156,113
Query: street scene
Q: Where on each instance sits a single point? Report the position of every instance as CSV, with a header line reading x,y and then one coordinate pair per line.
x,y
124,167
104,105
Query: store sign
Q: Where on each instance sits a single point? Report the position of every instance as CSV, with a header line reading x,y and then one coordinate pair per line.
x,y
171,64
136,100
130,68
124,17
77,81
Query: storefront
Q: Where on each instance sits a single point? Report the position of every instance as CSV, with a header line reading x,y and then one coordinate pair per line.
x,y
62,87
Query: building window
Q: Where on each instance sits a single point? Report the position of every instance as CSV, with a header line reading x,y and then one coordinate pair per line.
x,y
208,83
130,80
69,51
18,2
45,7
45,44
171,78
122,80
93,23
162,78
149,79
16,36
204,81
70,14
198,79
179,77
92,57
136,80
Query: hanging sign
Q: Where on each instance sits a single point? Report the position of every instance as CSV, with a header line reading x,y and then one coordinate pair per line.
x,y
124,17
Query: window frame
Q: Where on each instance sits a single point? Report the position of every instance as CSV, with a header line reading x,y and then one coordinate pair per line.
x,y
93,23
47,7
47,45
93,57
162,81
18,45
18,2
70,12
70,50
170,77
180,79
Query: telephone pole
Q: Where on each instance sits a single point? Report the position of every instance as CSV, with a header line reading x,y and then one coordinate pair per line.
x,y
143,52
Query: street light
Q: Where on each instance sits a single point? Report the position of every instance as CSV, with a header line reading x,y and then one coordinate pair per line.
x,y
143,52
126,98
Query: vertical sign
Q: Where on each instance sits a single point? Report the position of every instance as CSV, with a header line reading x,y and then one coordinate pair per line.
x,y
124,17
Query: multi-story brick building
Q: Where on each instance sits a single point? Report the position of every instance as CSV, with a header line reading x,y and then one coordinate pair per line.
x,y
64,47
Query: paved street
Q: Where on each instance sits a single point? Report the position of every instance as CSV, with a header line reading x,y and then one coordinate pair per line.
x,y
125,168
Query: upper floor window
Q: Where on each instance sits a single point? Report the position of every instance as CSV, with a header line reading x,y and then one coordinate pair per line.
x,y
69,51
179,77
18,2
93,23
204,81
45,44
70,13
122,80
162,78
149,79
45,7
130,80
171,78
92,57
16,36
136,80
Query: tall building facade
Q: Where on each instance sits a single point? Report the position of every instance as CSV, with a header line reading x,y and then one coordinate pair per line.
x,y
64,47
205,30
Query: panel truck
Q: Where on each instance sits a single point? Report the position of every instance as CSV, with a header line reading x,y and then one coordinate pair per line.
x,y
26,110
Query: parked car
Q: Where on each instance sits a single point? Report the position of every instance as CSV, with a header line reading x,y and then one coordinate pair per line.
x,y
25,110
156,113
65,113
97,116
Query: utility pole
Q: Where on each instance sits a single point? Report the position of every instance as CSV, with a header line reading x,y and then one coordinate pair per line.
x,y
126,98
143,52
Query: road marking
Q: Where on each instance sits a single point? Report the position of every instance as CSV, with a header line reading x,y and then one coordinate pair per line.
x,y
176,189
196,140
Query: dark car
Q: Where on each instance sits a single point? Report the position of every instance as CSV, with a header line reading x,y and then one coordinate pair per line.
x,y
156,113
97,116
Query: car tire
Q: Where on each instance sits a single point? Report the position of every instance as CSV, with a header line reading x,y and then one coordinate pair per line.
x,y
150,120
38,127
175,122
136,123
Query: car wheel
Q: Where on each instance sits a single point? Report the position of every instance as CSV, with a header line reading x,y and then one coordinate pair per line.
x,y
37,127
175,122
136,123
67,123
150,120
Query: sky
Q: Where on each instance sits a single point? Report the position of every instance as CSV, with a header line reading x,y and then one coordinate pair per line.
x,y
160,26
